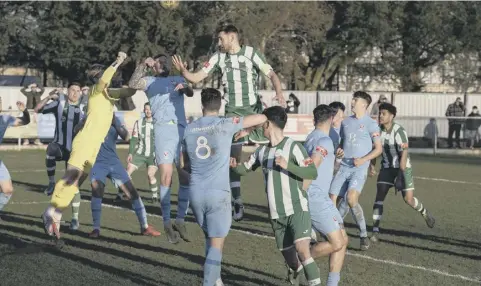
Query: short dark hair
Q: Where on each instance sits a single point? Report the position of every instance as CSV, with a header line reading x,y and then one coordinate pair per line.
x,y
211,99
389,107
322,113
74,83
227,28
276,115
336,105
363,95
146,104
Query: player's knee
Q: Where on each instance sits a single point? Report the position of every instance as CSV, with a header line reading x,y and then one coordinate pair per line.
x,y
352,198
7,187
97,189
337,243
131,190
53,150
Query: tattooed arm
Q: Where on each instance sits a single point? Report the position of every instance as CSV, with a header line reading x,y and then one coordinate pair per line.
x,y
137,81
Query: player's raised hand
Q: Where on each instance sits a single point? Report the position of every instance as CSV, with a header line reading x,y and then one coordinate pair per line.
x,y
177,63
121,56
233,162
20,106
150,62
280,99
242,133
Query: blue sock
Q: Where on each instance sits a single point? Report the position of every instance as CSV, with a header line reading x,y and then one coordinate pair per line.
x,y
358,216
96,206
165,203
139,209
212,266
207,245
333,278
343,208
183,203
4,198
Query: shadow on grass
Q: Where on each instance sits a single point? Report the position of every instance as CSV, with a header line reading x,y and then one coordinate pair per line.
x,y
99,249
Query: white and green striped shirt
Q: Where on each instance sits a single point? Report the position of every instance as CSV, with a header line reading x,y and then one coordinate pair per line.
x,y
393,142
240,73
144,131
284,189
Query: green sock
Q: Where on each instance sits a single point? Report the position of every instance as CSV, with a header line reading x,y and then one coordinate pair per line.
x,y
312,272
76,205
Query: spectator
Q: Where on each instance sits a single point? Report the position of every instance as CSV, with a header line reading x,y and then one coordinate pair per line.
x,y
33,93
472,126
375,107
293,104
455,109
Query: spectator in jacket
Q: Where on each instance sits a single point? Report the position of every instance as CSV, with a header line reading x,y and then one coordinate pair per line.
x,y
33,93
472,126
455,109
375,108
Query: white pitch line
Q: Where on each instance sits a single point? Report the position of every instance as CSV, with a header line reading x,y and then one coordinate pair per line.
x,y
447,181
391,262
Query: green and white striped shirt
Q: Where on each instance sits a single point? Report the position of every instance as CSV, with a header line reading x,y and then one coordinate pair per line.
x,y
283,187
393,142
240,73
143,131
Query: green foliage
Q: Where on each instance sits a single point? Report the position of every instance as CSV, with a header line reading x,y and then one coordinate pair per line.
x,y
307,43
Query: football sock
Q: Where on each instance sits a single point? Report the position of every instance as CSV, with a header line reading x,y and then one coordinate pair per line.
x,y
311,271
358,215
165,203
96,206
154,188
183,203
419,207
377,211
76,205
333,278
212,266
139,209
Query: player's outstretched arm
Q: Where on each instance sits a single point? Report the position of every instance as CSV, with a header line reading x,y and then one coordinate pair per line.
x,y
121,92
106,78
53,95
253,120
244,168
25,119
191,77
300,164
137,80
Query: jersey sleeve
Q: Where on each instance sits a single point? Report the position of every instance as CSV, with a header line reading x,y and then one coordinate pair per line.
x,y
321,147
401,139
300,156
374,131
148,81
253,162
260,62
233,124
51,107
212,64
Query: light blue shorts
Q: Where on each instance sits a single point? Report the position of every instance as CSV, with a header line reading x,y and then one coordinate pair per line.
x,y
325,217
168,139
348,178
113,170
212,210
4,174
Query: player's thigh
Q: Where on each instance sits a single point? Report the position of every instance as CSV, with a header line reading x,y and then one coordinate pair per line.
x,y
118,174
283,236
197,204
326,218
299,225
83,157
339,182
218,213
99,172
357,180
387,177
408,180
6,185
167,142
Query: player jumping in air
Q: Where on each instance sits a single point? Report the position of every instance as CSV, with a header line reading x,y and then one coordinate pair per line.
x,y
240,67
324,215
142,152
166,97
396,169
68,111
86,144
6,187
285,164
206,148
108,165
359,133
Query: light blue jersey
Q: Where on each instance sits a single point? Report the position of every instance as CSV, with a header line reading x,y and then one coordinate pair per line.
x,y
317,142
335,136
207,142
357,138
5,122
108,149
167,105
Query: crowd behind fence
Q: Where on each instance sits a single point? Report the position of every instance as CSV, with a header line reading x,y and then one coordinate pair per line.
x,y
422,114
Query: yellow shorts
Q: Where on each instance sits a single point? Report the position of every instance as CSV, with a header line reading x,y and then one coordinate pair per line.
x,y
84,152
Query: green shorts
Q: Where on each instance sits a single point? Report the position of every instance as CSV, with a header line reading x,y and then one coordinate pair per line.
x,y
140,160
389,177
288,230
256,135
